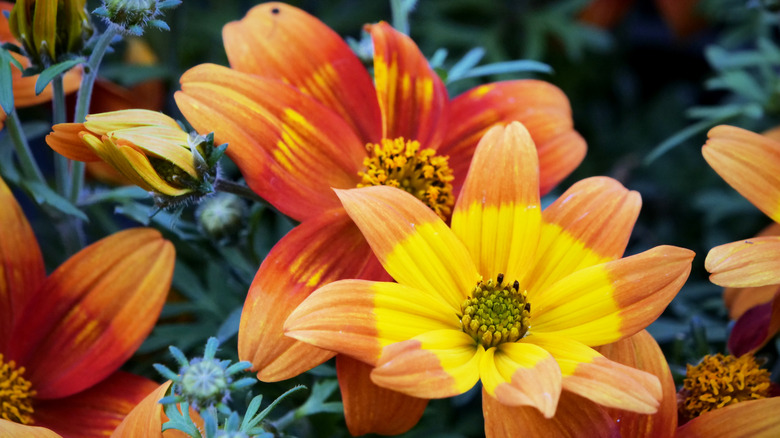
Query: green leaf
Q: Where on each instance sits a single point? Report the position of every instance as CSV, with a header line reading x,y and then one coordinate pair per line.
x,y
52,72
6,82
523,65
43,195
469,61
119,195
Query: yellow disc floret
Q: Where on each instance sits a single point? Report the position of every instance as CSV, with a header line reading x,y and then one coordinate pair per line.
x,y
15,394
496,312
400,163
719,381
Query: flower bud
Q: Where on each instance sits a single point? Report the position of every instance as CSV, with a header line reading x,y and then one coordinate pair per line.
x,y
132,16
221,215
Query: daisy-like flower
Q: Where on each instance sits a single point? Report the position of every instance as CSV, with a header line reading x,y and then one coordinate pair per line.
x,y
63,336
750,163
510,296
302,115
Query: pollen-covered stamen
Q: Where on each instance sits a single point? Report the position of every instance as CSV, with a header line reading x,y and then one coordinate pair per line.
x,y
719,381
496,312
15,394
401,163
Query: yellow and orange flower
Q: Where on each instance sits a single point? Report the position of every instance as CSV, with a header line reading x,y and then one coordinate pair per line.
x,y
509,295
750,163
301,115
63,336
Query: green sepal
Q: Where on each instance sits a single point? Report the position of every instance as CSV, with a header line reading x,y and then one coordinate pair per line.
x,y
52,72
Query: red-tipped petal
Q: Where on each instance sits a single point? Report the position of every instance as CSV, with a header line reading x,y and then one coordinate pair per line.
x,y
290,148
540,106
754,418
747,263
21,263
282,42
412,98
371,409
97,411
316,252
755,327
94,311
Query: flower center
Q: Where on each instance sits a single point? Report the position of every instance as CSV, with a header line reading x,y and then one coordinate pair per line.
x,y
204,380
401,163
719,381
15,394
497,312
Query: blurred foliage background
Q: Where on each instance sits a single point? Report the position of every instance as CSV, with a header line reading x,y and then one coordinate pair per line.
x,y
644,89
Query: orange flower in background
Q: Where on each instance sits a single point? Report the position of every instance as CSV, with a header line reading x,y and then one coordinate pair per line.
x,y
680,15
63,336
509,296
301,115
750,163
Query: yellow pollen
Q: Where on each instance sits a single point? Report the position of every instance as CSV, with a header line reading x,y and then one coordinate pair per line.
x,y
496,312
15,394
400,163
719,381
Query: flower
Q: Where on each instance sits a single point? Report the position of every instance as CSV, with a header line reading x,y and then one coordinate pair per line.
x,y
750,163
63,336
147,147
302,115
509,296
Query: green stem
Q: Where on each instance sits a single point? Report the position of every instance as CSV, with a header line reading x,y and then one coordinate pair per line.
x,y
83,99
223,185
400,11
30,167
58,109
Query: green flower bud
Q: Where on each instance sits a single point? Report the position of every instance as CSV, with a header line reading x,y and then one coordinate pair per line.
x,y
221,216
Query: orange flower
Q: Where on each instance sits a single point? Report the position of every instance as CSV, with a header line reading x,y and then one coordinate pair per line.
x,y
63,336
750,163
680,15
302,115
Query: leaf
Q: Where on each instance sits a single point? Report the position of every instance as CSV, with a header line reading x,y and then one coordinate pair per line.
x,y
523,65
229,328
120,194
43,195
6,82
52,72
469,61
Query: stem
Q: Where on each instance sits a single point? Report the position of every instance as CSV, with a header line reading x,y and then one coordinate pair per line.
x,y
83,99
58,109
400,15
30,167
223,185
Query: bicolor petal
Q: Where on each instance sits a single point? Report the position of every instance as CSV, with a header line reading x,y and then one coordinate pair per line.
x,y
587,225
498,213
412,97
298,264
359,317
540,106
749,162
413,244
21,263
290,148
437,364
589,374
747,263
522,374
65,140
607,302
755,327
322,66
369,408
94,311
752,418
576,416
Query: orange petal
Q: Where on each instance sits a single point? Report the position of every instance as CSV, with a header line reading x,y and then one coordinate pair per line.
x,y
739,300
15,430
749,162
413,244
94,311
437,364
147,418
754,418
748,263
21,263
605,13
587,225
290,148
371,409
498,214
575,417
65,140
412,97
642,352
682,16
281,42
316,252
589,374
607,302
522,374
98,410
755,327
540,106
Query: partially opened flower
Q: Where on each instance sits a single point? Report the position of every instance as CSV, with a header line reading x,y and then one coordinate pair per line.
x,y
63,336
302,115
147,147
750,163
509,296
